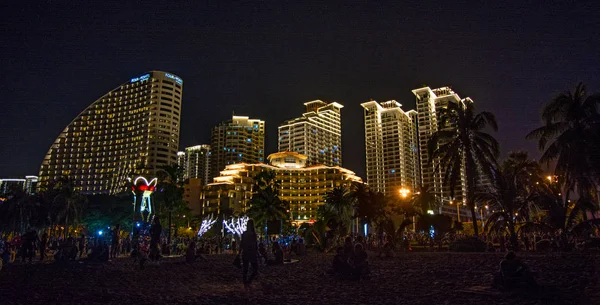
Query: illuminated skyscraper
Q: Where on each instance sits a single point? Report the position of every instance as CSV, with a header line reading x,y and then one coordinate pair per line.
x,y
131,130
238,140
429,101
316,134
195,162
391,147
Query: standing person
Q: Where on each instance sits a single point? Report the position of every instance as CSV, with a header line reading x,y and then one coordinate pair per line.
x,y
155,232
27,246
81,245
43,246
249,251
114,249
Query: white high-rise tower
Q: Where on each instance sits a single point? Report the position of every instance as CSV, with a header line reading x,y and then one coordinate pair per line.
x,y
391,147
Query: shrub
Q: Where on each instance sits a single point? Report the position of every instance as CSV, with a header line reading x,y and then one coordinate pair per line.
x,y
468,244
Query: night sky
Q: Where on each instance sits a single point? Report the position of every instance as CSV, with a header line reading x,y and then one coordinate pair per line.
x,y
265,60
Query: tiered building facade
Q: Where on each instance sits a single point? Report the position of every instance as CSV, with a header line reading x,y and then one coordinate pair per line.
x,y
304,187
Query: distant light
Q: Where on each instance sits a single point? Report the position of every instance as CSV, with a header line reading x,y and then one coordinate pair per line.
x,y
137,224
100,232
430,212
365,229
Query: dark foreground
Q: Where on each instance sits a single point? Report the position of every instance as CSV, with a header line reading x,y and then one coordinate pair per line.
x,y
413,278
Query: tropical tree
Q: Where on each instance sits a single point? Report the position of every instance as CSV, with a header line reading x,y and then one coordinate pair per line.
x,y
424,200
67,204
11,210
570,137
170,192
562,216
511,193
462,146
341,203
265,204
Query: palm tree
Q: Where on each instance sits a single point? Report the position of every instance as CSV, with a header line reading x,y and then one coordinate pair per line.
x,y
340,201
562,215
360,195
68,203
570,137
511,193
265,204
462,144
425,200
170,191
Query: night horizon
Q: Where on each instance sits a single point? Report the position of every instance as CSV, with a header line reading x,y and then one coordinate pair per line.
x,y
265,65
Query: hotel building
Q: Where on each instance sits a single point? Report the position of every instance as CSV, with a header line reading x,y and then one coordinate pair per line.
x,y
391,147
304,187
239,140
429,102
131,130
195,163
316,134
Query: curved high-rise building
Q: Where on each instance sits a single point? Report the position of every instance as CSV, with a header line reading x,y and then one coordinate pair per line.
x,y
131,130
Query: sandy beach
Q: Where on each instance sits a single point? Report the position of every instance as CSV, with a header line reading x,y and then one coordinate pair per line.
x,y
408,278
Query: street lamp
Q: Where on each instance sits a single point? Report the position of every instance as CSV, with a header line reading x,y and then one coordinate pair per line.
x,y
404,192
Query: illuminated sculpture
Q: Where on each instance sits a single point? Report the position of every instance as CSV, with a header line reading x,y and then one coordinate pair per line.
x,y
142,190
236,226
207,223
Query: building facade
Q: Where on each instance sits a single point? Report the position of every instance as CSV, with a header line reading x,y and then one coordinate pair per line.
x,y
429,102
391,147
195,163
239,140
131,130
28,185
316,134
304,187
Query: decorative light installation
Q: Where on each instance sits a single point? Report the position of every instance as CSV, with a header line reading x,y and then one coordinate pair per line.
x,y
236,225
207,223
141,185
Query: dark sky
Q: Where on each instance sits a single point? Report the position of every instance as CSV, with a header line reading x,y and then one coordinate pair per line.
x,y
266,59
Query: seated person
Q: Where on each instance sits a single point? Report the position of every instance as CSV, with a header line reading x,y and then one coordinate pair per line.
x,y
513,272
359,262
278,253
340,264
192,254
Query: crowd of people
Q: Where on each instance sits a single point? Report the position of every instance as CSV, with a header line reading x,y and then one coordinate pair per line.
x,y
252,252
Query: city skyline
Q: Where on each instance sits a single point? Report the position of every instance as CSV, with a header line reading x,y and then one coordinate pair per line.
x,y
508,66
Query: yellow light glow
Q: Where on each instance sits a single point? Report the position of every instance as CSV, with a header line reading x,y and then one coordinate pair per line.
x,y
404,192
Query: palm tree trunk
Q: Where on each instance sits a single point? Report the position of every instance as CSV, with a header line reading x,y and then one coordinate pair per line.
x,y
514,241
67,221
169,234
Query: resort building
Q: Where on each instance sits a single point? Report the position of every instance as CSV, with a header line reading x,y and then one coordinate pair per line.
x,y
131,130
304,187
316,134
239,140
391,148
